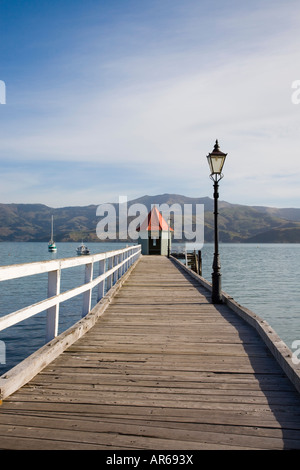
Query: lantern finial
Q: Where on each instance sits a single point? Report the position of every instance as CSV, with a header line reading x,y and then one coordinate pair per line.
x,y
216,147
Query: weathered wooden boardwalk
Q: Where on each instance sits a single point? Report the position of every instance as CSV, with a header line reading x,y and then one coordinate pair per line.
x,y
163,368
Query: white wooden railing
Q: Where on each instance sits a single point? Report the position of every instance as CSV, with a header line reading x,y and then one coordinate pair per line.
x,y
111,267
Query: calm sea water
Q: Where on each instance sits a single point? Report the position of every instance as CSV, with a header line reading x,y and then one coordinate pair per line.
x,y
264,278
261,277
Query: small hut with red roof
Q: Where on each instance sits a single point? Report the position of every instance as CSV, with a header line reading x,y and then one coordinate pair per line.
x,y
155,234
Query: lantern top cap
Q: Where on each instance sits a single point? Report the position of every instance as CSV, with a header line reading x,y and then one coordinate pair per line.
x,y
217,150
216,147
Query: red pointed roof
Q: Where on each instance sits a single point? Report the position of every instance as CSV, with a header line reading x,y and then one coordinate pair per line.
x,y
154,221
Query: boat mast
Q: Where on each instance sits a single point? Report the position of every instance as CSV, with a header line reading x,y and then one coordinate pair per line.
x,y
52,229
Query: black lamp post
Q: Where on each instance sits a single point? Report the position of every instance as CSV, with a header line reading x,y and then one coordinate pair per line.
x,y
216,161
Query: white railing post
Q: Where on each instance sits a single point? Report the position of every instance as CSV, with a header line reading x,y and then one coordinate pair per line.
x,y
114,274
101,286
132,257
127,259
87,296
117,261
120,273
123,270
53,312
109,278
118,270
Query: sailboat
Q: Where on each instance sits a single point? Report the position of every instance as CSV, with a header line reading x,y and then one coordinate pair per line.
x,y
51,244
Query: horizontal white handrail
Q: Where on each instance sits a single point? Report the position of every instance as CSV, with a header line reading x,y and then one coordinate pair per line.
x,y
112,266
15,271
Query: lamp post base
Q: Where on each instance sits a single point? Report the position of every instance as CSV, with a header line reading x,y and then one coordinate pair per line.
x,y
216,281
216,296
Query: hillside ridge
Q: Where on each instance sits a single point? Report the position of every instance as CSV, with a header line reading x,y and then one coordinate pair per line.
x,y
237,223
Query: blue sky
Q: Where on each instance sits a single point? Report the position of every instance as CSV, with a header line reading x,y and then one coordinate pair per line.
x,y
127,97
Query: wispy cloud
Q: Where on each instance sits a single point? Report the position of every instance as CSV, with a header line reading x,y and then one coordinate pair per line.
x,y
156,107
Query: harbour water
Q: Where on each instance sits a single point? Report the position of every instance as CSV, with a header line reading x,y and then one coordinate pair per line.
x,y
263,278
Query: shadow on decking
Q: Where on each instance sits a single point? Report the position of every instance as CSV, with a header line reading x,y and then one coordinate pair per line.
x,y
281,396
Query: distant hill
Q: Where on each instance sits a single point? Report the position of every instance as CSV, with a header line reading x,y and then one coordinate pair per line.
x,y
237,223
32,222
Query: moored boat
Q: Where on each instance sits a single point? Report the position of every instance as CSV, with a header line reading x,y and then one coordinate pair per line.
x,y
82,249
51,245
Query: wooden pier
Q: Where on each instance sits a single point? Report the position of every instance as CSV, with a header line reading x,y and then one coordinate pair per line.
x,y
162,368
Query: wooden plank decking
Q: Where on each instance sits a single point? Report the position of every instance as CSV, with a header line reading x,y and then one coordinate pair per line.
x,y
162,369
